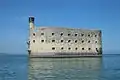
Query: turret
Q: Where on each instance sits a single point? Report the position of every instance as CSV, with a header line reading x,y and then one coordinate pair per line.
x,y
31,22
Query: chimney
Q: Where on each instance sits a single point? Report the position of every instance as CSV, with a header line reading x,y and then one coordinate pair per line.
x,y
31,22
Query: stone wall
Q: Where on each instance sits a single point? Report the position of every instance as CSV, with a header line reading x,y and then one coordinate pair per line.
x,y
51,40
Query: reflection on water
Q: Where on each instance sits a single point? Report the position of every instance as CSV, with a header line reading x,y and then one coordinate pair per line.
x,y
14,67
65,68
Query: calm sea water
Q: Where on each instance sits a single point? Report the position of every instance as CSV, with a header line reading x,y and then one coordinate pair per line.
x,y
14,67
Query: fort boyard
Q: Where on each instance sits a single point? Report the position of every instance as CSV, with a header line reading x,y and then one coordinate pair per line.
x,y
63,42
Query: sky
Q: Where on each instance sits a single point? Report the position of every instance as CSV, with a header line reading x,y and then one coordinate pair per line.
x,y
90,14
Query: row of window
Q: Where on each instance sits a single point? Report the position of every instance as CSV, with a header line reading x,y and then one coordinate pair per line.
x,y
68,41
62,48
76,34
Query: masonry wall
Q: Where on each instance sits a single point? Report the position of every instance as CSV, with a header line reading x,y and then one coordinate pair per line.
x,y
47,41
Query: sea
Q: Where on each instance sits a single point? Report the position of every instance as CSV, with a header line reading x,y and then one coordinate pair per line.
x,y
21,67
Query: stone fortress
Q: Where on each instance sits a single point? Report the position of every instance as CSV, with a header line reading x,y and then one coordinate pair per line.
x,y
63,42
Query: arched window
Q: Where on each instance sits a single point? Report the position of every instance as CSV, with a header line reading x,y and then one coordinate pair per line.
x,y
76,48
61,48
82,48
89,41
82,34
33,41
61,33
88,35
69,48
97,49
75,41
53,33
42,33
68,34
42,40
95,35
75,34
82,41
69,40
61,40
53,40
89,48
95,41
53,48
33,34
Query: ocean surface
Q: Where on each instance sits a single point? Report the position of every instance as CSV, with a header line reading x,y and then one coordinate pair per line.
x,y
20,67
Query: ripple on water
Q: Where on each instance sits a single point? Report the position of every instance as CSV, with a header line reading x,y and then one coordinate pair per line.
x,y
7,74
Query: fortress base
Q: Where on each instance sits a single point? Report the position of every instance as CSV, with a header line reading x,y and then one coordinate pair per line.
x,y
64,55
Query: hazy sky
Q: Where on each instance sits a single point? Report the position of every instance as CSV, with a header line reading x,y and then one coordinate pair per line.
x,y
95,14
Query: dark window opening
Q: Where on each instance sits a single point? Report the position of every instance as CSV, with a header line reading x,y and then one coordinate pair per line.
x,y
97,49
82,48
42,33
53,40
69,48
89,48
88,41
61,34
75,41
88,35
53,48
76,48
61,48
95,41
95,35
76,34
82,41
68,34
42,40
69,40
34,41
61,40
33,34
53,33
82,34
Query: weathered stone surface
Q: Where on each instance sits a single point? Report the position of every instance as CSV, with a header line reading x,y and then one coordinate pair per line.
x,y
47,41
